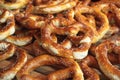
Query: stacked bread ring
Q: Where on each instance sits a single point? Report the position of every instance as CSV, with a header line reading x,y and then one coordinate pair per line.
x,y
59,40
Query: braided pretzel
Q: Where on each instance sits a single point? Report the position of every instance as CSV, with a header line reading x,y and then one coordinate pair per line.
x,y
13,5
9,29
101,55
104,27
72,70
60,50
52,7
9,72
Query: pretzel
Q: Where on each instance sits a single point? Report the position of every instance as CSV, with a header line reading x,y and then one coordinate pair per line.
x,y
66,38
85,2
116,2
112,13
52,7
112,36
72,68
113,30
101,55
20,38
8,48
86,65
113,58
35,49
4,63
116,13
109,9
38,49
64,18
104,27
13,5
9,28
30,21
9,72
71,31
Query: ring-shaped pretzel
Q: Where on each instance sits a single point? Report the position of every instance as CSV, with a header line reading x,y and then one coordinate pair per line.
x,y
71,31
72,68
9,28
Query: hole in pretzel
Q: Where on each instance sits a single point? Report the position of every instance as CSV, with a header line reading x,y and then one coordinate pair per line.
x,y
98,23
60,38
95,0
10,1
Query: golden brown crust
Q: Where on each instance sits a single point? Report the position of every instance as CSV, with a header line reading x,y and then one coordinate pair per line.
x,y
72,30
72,69
13,5
54,7
6,17
101,55
60,33
104,26
9,72
86,65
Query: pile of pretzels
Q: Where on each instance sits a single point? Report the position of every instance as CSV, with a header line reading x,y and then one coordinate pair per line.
x,y
59,39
